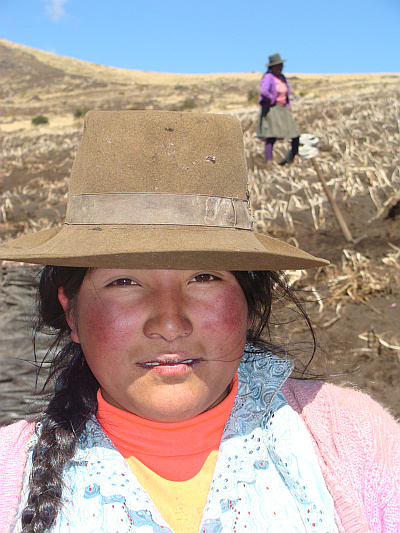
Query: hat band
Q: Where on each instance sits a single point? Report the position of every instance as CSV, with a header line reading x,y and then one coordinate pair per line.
x,y
158,208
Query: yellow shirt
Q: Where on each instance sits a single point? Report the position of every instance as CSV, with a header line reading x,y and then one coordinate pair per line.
x,y
181,503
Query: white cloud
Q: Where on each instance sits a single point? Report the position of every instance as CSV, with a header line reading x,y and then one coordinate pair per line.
x,y
55,9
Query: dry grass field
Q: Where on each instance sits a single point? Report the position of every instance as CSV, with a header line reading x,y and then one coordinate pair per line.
x,y
354,302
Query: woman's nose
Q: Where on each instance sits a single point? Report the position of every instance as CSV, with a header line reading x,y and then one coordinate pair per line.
x,y
168,318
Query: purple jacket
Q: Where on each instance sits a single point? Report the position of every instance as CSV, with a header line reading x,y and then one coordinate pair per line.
x,y
268,92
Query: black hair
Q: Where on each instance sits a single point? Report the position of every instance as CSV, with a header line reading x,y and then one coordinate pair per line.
x,y
74,398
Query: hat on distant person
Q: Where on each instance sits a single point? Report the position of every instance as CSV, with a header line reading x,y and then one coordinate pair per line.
x,y
158,189
275,59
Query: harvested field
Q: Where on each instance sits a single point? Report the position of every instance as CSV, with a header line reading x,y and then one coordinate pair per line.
x,y
354,302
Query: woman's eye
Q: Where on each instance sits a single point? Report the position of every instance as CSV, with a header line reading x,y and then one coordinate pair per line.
x,y
122,282
203,278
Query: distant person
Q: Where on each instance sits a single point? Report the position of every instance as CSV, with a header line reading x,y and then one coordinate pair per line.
x,y
275,120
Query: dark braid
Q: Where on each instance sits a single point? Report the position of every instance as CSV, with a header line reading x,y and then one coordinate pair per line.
x,y
72,403
74,399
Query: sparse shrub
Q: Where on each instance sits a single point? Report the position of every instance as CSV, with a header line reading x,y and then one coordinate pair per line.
x,y
188,104
252,96
39,119
80,112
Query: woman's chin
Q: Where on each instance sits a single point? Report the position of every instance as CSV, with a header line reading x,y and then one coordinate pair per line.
x,y
174,407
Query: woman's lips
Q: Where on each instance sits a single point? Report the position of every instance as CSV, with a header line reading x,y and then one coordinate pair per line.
x,y
170,365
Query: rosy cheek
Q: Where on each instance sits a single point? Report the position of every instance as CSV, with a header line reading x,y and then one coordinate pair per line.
x,y
229,316
94,324
92,330
109,325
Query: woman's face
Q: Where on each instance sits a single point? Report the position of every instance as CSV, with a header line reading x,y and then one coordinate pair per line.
x,y
163,344
277,69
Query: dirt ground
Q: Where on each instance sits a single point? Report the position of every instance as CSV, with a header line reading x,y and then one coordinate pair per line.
x,y
354,302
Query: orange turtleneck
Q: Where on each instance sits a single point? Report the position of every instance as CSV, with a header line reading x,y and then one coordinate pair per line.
x,y
175,451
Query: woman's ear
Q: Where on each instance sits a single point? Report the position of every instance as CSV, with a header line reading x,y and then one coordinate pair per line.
x,y
66,304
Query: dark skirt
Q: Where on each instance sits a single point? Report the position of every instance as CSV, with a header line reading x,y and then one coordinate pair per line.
x,y
276,121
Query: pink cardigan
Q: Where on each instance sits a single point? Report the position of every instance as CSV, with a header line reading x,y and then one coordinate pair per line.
x,y
357,443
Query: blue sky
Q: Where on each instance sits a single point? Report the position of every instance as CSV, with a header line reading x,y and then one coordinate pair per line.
x,y
192,36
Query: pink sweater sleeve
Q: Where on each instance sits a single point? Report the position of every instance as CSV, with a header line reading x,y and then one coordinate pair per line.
x,y
358,446
13,454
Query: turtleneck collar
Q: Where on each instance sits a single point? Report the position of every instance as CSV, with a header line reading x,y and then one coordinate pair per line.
x,y
153,442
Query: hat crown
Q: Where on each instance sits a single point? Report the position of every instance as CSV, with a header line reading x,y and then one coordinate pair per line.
x,y
160,152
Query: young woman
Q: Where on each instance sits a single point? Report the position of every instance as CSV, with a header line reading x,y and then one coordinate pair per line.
x,y
172,411
275,119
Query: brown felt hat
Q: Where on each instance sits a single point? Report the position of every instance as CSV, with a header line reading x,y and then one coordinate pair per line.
x,y
275,59
157,189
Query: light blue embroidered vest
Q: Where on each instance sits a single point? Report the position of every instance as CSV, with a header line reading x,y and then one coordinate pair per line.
x,y
266,478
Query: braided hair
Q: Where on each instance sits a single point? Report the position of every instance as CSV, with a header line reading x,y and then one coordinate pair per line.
x,y
74,399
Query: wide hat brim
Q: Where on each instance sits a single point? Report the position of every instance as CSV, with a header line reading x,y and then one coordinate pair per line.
x,y
155,247
273,63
